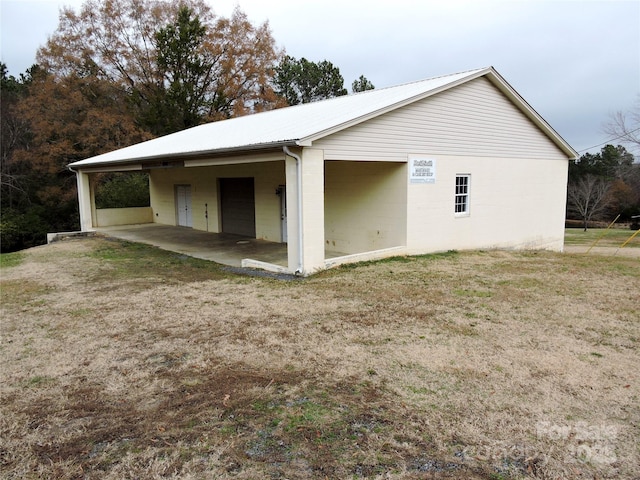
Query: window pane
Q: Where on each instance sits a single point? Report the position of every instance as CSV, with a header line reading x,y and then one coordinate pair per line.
x,y
461,203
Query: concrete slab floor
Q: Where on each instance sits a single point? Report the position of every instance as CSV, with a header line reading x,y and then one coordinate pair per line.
x,y
223,248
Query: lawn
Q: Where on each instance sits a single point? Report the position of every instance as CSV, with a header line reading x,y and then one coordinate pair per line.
x,y
602,237
124,361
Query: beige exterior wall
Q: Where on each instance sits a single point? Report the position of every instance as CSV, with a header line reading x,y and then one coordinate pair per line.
x,y
513,203
294,245
313,210
518,175
204,190
107,217
365,206
305,243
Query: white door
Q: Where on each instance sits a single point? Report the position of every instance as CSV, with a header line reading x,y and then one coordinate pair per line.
x,y
183,205
283,212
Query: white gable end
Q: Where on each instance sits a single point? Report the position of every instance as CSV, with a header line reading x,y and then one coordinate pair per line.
x,y
474,118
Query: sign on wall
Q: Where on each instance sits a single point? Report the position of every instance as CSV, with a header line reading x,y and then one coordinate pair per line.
x,y
422,170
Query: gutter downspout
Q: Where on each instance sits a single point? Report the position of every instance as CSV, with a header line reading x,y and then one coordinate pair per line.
x,y
288,152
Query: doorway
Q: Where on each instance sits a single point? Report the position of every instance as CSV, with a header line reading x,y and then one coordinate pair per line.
x,y
183,206
238,206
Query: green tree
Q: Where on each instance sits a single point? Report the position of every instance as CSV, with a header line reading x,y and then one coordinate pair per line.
x,y
179,64
603,185
611,162
615,161
362,84
303,81
183,66
122,190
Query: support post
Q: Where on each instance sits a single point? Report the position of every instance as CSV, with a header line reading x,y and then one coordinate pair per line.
x,y
305,211
84,201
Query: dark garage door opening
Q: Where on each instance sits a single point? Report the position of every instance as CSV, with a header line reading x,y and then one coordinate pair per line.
x,y
238,206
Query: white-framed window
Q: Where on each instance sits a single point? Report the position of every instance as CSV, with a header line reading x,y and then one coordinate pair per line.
x,y
461,205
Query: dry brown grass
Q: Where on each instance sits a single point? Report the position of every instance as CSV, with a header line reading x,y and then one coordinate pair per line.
x,y
122,361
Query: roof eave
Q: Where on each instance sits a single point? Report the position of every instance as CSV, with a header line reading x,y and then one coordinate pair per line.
x,y
183,156
499,82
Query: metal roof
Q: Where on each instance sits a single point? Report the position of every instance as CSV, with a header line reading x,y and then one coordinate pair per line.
x,y
302,124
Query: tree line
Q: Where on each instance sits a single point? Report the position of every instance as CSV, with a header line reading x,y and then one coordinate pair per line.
x,y
120,72
604,186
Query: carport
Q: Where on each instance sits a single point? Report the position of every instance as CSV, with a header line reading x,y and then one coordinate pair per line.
x,y
224,248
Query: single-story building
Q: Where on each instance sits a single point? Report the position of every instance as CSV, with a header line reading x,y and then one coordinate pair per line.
x,y
454,162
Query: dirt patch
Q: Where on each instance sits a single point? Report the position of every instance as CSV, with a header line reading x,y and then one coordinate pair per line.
x,y
123,361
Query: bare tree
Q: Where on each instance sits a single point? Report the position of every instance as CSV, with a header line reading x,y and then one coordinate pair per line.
x,y
588,197
625,126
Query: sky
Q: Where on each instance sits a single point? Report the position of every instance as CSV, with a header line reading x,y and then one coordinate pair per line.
x,y
575,62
